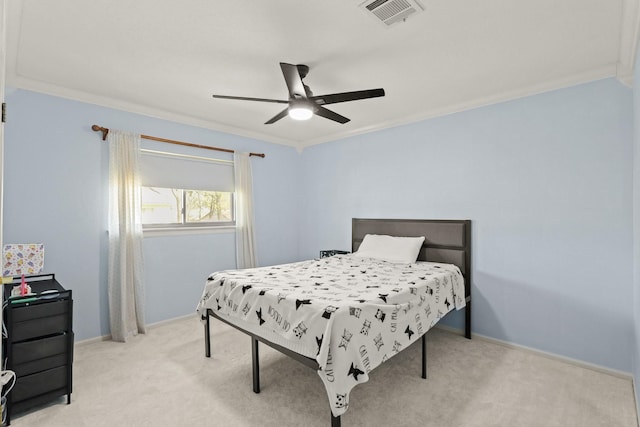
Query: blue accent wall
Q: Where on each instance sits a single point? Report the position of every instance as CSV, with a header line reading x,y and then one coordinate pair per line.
x,y
55,192
547,182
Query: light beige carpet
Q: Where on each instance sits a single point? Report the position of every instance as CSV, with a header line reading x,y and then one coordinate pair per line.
x,y
163,379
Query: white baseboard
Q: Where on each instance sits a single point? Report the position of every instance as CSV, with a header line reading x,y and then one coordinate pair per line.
x,y
575,362
635,400
172,320
149,327
92,340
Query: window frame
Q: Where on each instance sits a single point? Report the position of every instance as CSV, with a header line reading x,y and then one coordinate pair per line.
x,y
185,225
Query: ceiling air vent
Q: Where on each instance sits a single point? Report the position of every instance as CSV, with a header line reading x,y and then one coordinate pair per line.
x,y
391,11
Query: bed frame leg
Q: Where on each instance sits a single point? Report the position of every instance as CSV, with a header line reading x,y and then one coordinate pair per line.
x,y
335,421
207,339
467,320
424,356
256,365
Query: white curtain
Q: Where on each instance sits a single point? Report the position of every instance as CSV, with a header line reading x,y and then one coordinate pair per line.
x,y
125,276
245,239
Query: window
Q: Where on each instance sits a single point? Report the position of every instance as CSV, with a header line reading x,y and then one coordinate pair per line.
x,y
175,207
186,191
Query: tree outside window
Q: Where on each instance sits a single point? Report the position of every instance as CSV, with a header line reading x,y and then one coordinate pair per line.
x,y
178,207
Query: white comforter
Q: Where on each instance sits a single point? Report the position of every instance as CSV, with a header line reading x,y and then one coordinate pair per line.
x,y
349,313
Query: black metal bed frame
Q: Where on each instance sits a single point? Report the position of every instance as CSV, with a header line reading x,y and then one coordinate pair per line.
x,y
307,361
438,247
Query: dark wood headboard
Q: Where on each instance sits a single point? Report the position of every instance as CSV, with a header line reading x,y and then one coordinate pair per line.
x,y
445,240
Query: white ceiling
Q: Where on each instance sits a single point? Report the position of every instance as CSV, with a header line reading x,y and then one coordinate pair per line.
x,y
165,58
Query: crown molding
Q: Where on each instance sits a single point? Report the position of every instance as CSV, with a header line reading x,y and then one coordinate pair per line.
x,y
629,34
103,101
50,89
574,80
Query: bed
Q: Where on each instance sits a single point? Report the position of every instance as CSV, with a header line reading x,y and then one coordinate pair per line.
x,y
345,315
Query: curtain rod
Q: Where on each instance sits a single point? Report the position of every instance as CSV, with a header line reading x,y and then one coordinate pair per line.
x,y
105,131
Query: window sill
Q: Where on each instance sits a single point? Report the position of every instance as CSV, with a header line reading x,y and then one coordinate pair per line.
x,y
178,231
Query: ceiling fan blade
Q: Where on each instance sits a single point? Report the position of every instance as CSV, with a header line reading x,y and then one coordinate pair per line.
x,y
294,81
244,98
278,116
347,96
328,114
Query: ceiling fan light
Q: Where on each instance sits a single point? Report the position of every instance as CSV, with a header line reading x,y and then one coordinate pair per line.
x,y
299,112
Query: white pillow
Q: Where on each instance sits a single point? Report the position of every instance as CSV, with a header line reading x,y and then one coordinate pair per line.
x,y
390,248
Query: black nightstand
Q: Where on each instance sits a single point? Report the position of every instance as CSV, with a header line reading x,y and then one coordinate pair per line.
x,y
39,343
331,252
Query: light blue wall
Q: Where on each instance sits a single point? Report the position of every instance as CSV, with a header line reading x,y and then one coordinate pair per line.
x,y
636,228
56,192
547,182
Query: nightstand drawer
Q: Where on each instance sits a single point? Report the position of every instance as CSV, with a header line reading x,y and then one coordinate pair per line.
x,y
37,311
40,383
39,327
38,349
28,368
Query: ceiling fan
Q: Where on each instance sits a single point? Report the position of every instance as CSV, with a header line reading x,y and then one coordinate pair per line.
x,y
302,103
